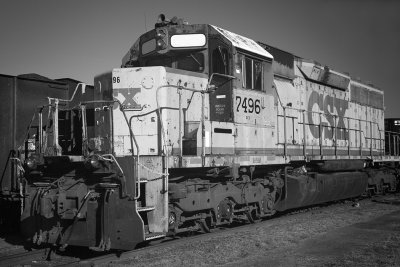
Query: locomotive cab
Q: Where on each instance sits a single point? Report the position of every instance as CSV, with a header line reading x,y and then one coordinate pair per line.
x,y
239,106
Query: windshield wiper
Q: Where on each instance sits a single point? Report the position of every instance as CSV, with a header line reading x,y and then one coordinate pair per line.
x,y
222,56
195,59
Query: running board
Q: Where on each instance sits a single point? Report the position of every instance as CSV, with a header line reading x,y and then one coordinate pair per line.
x,y
145,209
152,236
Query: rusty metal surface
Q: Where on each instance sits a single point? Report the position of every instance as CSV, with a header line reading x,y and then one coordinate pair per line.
x,y
364,96
283,64
339,165
323,75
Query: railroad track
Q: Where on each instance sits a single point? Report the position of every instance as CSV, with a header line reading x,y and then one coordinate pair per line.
x,y
22,257
107,258
387,199
39,256
221,231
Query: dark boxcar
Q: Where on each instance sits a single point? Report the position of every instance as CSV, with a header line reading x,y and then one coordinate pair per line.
x,y
21,96
392,136
80,95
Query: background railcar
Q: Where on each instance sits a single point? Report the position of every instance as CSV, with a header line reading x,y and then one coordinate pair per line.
x,y
392,136
22,96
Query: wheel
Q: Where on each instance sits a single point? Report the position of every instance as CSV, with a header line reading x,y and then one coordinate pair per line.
x,y
225,210
268,204
253,216
172,224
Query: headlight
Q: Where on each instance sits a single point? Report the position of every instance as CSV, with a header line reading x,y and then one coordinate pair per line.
x,y
92,163
31,164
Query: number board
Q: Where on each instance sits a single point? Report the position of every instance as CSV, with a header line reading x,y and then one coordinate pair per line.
x,y
125,89
249,106
123,78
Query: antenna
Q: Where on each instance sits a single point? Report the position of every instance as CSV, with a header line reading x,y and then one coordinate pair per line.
x,y
145,24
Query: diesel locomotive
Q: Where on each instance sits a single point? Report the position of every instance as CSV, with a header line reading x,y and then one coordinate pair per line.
x,y
198,128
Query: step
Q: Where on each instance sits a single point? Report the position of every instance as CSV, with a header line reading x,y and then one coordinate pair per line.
x,y
152,236
146,208
143,180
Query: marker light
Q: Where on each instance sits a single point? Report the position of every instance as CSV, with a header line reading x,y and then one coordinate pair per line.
x,y
161,43
162,38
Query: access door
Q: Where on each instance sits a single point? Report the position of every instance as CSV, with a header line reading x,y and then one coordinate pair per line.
x,y
221,98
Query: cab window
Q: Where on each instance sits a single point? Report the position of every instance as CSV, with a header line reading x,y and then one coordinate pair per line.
x,y
252,73
191,62
220,60
159,61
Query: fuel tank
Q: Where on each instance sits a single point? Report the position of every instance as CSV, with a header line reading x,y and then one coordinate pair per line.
x,y
313,188
344,165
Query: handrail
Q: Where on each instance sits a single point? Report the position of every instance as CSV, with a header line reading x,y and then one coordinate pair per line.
x,y
302,111
84,131
73,95
132,136
327,114
208,89
304,136
132,140
284,134
179,87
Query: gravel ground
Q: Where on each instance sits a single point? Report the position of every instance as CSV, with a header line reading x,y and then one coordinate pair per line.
x,y
288,241
10,243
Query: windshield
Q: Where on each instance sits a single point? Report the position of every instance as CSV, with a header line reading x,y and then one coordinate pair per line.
x,y
188,61
191,62
159,61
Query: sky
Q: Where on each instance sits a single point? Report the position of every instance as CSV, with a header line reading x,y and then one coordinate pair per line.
x,y
81,39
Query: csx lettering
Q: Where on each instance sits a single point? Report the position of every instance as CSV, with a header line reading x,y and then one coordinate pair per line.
x,y
248,105
327,105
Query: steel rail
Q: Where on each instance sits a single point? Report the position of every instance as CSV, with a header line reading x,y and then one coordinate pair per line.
x,y
216,232
20,258
23,257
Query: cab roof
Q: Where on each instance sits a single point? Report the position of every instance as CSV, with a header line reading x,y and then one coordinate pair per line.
x,y
243,43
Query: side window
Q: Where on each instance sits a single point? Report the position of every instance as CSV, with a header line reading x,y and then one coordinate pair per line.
x,y
252,73
257,75
248,72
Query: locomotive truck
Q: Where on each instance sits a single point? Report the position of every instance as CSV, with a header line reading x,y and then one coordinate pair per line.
x,y
198,128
